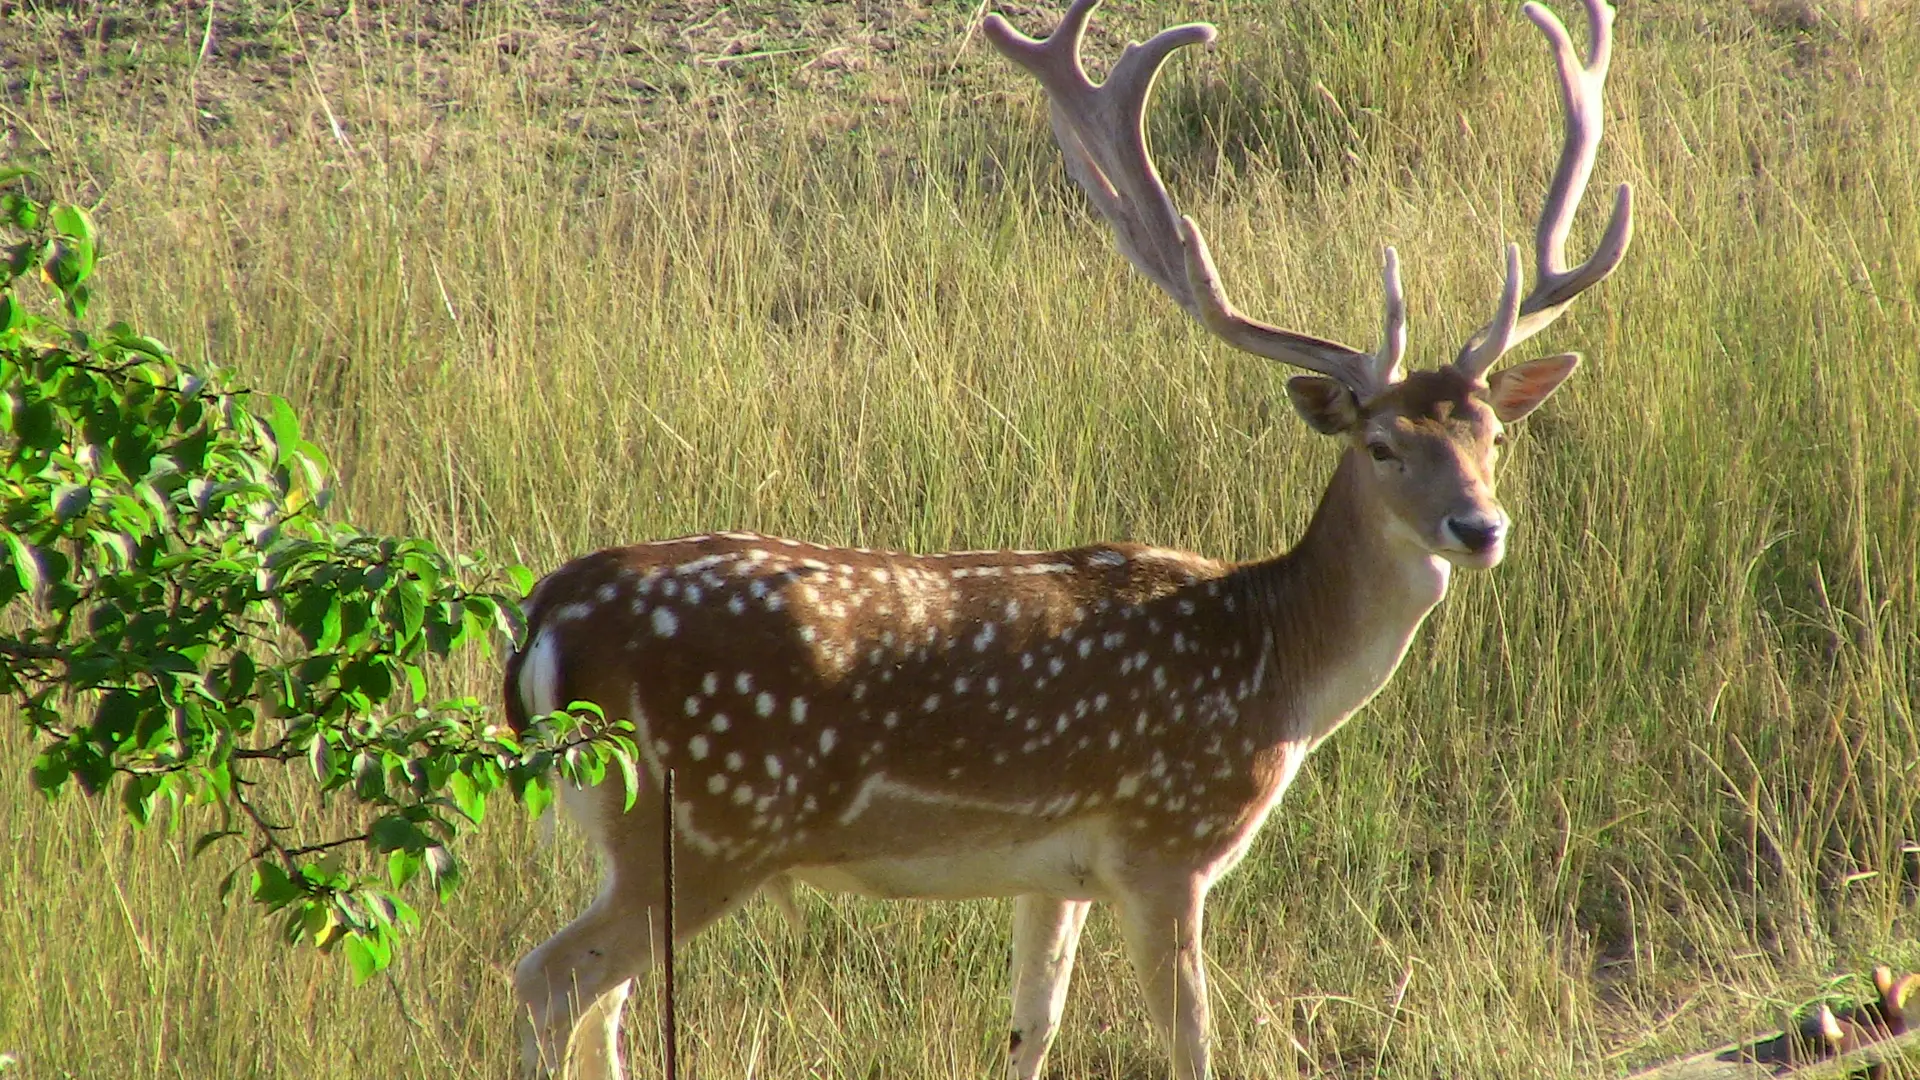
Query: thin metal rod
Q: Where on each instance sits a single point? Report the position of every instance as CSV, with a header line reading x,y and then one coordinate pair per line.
x,y
666,847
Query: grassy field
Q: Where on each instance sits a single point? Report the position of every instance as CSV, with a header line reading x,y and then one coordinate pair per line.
x,y
550,275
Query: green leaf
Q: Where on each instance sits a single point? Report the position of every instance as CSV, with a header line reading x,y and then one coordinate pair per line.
x,y
119,715
26,564
537,796
70,501
396,833
139,794
416,681
468,797
308,613
66,263
21,211
272,886
320,758
74,221
329,624
402,865
240,677
313,919
404,916
34,425
629,776
363,958
444,871
285,425
155,349
373,678
413,606
50,770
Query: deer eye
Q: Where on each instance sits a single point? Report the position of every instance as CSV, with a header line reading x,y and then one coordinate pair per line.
x,y
1380,451
1500,439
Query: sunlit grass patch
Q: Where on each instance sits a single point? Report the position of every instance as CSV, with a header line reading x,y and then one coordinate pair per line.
x,y
538,293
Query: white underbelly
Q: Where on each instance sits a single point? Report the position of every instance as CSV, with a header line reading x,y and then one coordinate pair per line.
x,y
1064,863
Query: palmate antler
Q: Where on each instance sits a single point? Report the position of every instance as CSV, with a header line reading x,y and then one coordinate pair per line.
x,y
1101,131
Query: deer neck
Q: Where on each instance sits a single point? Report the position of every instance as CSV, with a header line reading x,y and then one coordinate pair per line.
x,y
1341,608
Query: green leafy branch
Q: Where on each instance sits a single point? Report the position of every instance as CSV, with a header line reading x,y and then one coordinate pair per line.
x,y
178,615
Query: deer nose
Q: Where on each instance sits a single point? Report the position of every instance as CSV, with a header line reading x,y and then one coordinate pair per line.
x,y
1477,534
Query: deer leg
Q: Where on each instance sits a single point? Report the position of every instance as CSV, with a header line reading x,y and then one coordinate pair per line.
x,y
1046,932
1162,933
582,973
571,988
596,1039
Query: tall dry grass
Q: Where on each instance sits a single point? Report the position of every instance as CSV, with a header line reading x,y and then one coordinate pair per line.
x,y
1630,794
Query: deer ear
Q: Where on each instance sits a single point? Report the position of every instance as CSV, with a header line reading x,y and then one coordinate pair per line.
x,y
1327,405
1518,390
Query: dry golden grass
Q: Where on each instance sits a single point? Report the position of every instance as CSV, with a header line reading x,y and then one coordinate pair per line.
x,y
547,277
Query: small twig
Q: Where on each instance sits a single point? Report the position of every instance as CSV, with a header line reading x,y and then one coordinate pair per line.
x,y
309,849
973,24
206,45
25,650
688,30
763,54
339,133
835,51
269,833
1398,998
668,1034
446,299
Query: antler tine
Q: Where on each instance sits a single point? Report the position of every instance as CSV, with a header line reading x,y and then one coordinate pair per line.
x,y
1393,336
1102,133
1556,284
1496,337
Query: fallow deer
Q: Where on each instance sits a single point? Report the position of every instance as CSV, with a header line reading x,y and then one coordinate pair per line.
x,y
1111,722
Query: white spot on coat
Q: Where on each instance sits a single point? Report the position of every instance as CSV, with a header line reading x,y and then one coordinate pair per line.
x,y
984,638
